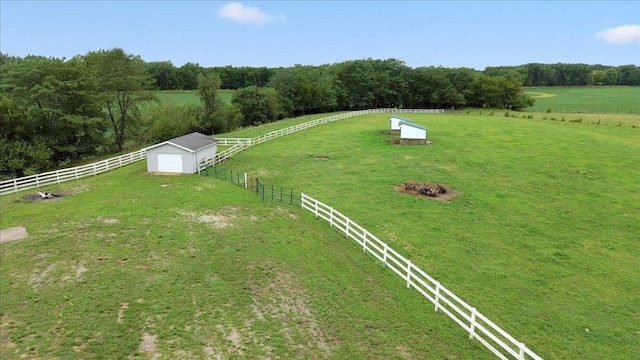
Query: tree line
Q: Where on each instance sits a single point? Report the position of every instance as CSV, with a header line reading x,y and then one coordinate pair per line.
x,y
57,111
169,77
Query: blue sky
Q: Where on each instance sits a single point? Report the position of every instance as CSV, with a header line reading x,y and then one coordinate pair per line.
x,y
473,34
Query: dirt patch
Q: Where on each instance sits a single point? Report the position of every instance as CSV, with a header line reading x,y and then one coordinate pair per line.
x,y
219,220
13,234
46,196
123,308
148,346
320,157
427,189
283,299
398,141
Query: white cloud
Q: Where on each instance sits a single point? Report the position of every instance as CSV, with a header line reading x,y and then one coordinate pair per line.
x,y
243,14
625,34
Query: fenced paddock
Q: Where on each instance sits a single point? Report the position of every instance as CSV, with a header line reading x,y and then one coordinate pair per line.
x,y
267,192
74,173
479,327
241,144
237,145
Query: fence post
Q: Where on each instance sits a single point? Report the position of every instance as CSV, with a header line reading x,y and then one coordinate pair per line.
x,y
364,242
346,230
384,255
15,185
331,216
316,207
408,274
245,180
437,296
472,326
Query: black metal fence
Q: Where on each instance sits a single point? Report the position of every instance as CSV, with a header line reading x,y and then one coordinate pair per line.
x,y
267,192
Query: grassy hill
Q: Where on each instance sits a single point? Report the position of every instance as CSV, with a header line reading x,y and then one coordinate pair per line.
x,y
132,265
541,238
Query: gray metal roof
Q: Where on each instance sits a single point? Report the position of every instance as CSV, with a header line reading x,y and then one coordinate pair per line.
x,y
412,124
190,142
401,118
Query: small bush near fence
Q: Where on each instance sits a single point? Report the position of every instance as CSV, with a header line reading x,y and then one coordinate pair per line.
x,y
267,192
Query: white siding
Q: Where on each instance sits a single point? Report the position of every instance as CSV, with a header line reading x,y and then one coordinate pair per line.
x,y
410,132
395,123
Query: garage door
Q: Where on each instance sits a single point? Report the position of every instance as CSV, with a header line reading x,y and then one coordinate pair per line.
x,y
170,163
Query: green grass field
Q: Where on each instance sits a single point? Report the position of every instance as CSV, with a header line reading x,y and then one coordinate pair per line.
x,y
596,99
542,237
188,96
134,265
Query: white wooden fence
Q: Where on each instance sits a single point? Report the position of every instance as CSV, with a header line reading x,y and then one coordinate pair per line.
x,y
503,345
74,173
237,145
244,143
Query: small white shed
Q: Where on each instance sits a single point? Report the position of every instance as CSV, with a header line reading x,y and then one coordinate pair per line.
x,y
395,122
182,154
411,130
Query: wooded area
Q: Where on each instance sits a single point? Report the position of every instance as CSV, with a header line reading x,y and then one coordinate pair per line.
x,y
57,111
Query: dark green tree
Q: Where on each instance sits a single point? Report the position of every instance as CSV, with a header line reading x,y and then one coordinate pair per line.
x,y
122,80
59,105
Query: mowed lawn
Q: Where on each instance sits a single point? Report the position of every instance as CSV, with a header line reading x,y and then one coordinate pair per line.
x,y
542,237
586,99
133,265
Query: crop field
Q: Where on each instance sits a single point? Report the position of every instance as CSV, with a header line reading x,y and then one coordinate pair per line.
x,y
596,99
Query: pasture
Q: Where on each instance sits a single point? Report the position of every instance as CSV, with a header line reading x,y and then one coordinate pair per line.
x,y
133,265
541,237
583,99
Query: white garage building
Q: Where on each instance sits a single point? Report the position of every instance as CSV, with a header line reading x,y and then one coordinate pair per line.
x,y
180,155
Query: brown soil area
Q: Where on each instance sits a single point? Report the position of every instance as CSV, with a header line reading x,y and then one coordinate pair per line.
x,y
427,189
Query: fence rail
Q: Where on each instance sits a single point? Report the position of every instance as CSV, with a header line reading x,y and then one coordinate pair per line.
x,y
479,327
74,173
244,143
267,192
237,145
233,141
